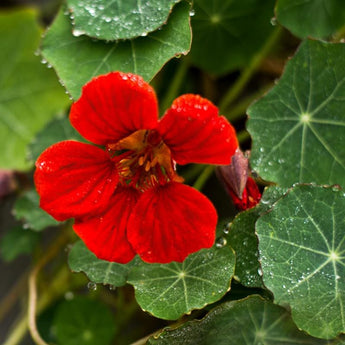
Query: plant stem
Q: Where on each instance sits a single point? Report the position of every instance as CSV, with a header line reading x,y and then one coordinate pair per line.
x,y
175,84
247,73
239,109
45,300
204,176
10,299
192,172
35,306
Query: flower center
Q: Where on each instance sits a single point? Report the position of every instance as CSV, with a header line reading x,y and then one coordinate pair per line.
x,y
143,160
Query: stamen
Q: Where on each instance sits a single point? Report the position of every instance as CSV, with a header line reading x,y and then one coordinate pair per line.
x,y
147,166
141,160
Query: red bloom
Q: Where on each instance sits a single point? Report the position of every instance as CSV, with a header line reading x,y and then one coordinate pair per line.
x,y
128,198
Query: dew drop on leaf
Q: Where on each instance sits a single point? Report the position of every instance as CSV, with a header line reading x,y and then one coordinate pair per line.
x,y
221,242
92,286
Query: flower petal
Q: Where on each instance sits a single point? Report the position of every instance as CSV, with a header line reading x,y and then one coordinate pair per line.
x,y
105,234
195,133
170,222
74,179
113,106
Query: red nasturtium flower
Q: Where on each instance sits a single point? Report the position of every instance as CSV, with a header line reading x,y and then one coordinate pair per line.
x,y
124,193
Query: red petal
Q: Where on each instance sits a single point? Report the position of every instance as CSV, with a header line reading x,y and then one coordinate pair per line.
x,y
170,222
113,106
195,133
74,179
105,234
250,197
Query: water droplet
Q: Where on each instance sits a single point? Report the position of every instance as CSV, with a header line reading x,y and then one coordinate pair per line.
x,y
69,295
26,226
221,242
260,273
77,33
44,61
274,21
92,286
143,34
226,228
191,13
112,287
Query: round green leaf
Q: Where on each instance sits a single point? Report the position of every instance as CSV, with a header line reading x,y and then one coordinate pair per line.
x,y
227,33
55,131
118,19
251,321
29,92
80,259
78,59
84,321
27,209
316,18
170,290
242,238
301,121
302,246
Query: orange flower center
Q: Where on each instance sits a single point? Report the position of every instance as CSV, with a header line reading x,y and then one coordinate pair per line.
x,y
143,160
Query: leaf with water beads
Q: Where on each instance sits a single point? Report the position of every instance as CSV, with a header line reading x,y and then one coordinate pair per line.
x,y
79,59
298,127
170,290
250,321
302,246
80,259
118,19
242,238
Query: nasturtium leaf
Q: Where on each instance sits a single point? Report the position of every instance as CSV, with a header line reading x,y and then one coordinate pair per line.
x,y
84,321
242,238
80,259
26,209
118,19
252,321
170,290
17,241
78,59
30,93
227,33
298,127
316,18
56,130
302,246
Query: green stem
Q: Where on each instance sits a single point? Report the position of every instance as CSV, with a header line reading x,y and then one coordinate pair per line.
x,y
238,110
46,299
36,306
204,176
15,292
247,73
192,172
175,84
